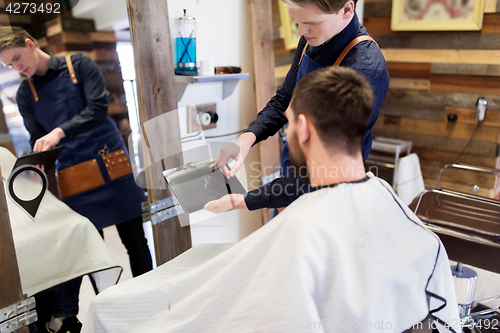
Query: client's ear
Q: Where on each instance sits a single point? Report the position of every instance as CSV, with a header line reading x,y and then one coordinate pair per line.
x,y
303,129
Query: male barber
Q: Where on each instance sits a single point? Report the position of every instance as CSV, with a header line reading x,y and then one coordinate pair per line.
x,y
331,36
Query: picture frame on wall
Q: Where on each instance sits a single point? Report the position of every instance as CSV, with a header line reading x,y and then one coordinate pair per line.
x,y
289,28
437,15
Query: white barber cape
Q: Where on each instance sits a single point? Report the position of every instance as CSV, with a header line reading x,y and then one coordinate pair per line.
x,y
58,245
345,258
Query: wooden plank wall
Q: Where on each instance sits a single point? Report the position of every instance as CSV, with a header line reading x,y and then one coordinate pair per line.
x,y
434,74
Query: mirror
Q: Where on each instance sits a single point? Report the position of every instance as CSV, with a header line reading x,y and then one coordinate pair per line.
x,y
26,187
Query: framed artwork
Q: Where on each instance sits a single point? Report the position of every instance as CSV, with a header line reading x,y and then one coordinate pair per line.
x,y
437,15
290,28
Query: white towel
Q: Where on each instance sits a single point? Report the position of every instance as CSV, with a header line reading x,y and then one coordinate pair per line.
x,y
410,182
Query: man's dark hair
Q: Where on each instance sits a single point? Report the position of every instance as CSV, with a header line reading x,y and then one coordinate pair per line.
x,y
326,6
338,101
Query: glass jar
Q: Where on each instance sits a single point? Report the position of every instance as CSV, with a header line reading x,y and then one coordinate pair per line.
x,y
185,45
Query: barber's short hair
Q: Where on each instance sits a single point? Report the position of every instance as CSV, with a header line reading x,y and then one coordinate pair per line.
x,y
14,37
326,6
338,101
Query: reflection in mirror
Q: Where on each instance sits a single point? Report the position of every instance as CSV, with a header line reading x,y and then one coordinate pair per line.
x,y
27,185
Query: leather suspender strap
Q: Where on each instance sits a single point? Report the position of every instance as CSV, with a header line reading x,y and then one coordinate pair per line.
x,y
303,52
349,46
33,90
70,69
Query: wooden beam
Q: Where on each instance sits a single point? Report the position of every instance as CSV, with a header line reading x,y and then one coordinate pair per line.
x,y
103,36
281,71
283,59
442,128
482,57
114,81
491,23
411,111
441,158
380,25
441,40
17,19
418,84
436,99
378,8
409,70
263,57
468,116
377,25
471,70
69,37
53,27
465,84
116,108
491,6
73,24
156,95
481,148
91,54
279,47
105,55
10,288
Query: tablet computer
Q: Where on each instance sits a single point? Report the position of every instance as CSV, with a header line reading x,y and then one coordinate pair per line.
x,y
47,158
195,184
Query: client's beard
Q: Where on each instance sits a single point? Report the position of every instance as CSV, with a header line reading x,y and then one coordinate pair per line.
x,y
297,157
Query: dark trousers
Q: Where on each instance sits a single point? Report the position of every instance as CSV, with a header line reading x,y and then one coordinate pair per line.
x,y
132,236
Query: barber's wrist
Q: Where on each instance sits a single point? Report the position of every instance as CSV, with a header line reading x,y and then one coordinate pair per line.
x,y
240,199
59,132
247,139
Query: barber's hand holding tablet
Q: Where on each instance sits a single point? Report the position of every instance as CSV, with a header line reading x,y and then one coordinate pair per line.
x,y
226,203
49,140
238,151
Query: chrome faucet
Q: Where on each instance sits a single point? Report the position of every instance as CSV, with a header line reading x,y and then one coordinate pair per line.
x,y
481,105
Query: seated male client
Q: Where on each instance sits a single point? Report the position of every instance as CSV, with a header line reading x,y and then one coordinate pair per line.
x,y
347,256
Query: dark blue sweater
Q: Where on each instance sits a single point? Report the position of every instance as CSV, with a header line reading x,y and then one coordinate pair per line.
x,y
366,58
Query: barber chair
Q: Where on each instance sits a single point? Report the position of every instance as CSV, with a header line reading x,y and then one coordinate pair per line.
x,y
469,227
